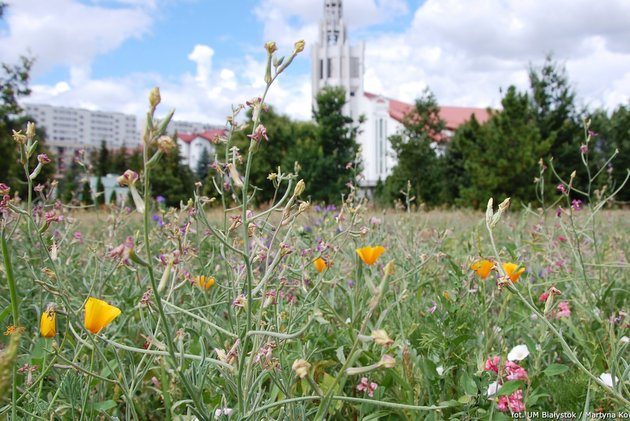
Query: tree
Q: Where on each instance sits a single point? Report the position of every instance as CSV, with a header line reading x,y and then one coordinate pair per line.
x,y
175,181
103,162
552,100
203,165
417,161
86,194
336,136
501,157
100,191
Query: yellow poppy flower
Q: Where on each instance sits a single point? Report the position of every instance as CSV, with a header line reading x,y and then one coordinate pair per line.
x,y
320,264
48,322
370,254
483,268
511,272
99,314
204,282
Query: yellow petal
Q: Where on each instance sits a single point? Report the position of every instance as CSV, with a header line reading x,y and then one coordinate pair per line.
x,y
320,264
48,323
99,314
370,254
483,268
512,272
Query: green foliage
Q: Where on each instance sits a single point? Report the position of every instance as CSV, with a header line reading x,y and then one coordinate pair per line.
x,y
418,162
203,166
100,191
336,138
174,180
500,158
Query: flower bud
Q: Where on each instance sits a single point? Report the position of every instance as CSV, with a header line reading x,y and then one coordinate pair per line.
x,y
19,137
299,46
381,338
30,130
301,368
165,144
387,361
154,97
299,188
42,158
128,178
271,47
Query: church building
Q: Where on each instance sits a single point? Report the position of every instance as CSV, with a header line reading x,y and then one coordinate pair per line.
x,y
334,62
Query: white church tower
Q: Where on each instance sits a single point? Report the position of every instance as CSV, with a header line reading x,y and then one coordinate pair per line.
x,y
335,62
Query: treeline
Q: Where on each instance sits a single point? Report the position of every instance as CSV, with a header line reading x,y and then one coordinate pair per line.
x,y
537,137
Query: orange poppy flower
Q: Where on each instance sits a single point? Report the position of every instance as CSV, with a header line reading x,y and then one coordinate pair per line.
x,y
512,272
483,268
99,314
320,264
370,254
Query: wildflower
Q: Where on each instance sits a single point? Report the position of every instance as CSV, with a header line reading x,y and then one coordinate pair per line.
x,y
13,329
99,314
320,264
576,205
299,188
124,251
439,370
608,379
370,254
583,149
514,371
483,268
381,337
48,322
561,188
563,310
366,386
513,403
223,411
43,159
160,199
492,364
518,353
559,212
204,282
4,189
387,361
432,308
129,178
259,134
512,272
301,368
551,291
240,301
493,388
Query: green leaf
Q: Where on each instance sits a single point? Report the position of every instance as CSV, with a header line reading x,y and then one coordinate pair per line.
x,y
555,369
510,387
468,384
104,406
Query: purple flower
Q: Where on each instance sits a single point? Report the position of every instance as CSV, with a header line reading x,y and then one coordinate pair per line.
x,y
158,219
559,212
584,149
561,188
161,199
576,205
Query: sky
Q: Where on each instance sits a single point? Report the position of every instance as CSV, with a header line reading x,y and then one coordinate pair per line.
x,y
207,55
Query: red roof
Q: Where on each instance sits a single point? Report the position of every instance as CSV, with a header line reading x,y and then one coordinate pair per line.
x,y
209,135
452,116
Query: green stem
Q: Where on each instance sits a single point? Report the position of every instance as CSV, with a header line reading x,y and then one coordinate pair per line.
x,y
14,312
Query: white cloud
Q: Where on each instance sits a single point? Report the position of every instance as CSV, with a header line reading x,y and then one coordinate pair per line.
x,y
67,32
206,96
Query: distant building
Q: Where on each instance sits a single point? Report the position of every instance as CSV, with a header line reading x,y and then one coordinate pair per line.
x,y
336,63
192,145
113,193
71,129
176,126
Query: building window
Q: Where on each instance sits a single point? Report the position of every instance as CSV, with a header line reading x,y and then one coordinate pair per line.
x,y
354,66
321,69
329,67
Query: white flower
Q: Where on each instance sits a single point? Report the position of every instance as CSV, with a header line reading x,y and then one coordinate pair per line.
x,y
223,411
493,388
518,353
624,340
607,379
440,370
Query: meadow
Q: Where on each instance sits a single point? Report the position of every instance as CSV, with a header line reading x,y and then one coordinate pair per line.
x,y
307,311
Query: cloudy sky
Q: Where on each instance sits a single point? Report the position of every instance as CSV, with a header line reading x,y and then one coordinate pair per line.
x,y
207,54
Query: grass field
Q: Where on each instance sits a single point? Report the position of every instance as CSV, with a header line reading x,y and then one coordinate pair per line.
x,y
425,337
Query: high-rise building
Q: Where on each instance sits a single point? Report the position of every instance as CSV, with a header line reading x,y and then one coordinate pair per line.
x,y
71,129
336,63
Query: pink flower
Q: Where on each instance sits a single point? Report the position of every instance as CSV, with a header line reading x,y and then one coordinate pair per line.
x,y
366,386
561,188
576,204
559,212
513,403
123,251
515,371
492,364
563,310
584,149
259,134
42,158
543,297
4,189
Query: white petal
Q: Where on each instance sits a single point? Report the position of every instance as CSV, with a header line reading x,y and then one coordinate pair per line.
x,y
518,353
493,388
607,379
624,340
440,370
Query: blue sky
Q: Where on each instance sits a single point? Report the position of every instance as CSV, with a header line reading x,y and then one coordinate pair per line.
x,y
207,54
